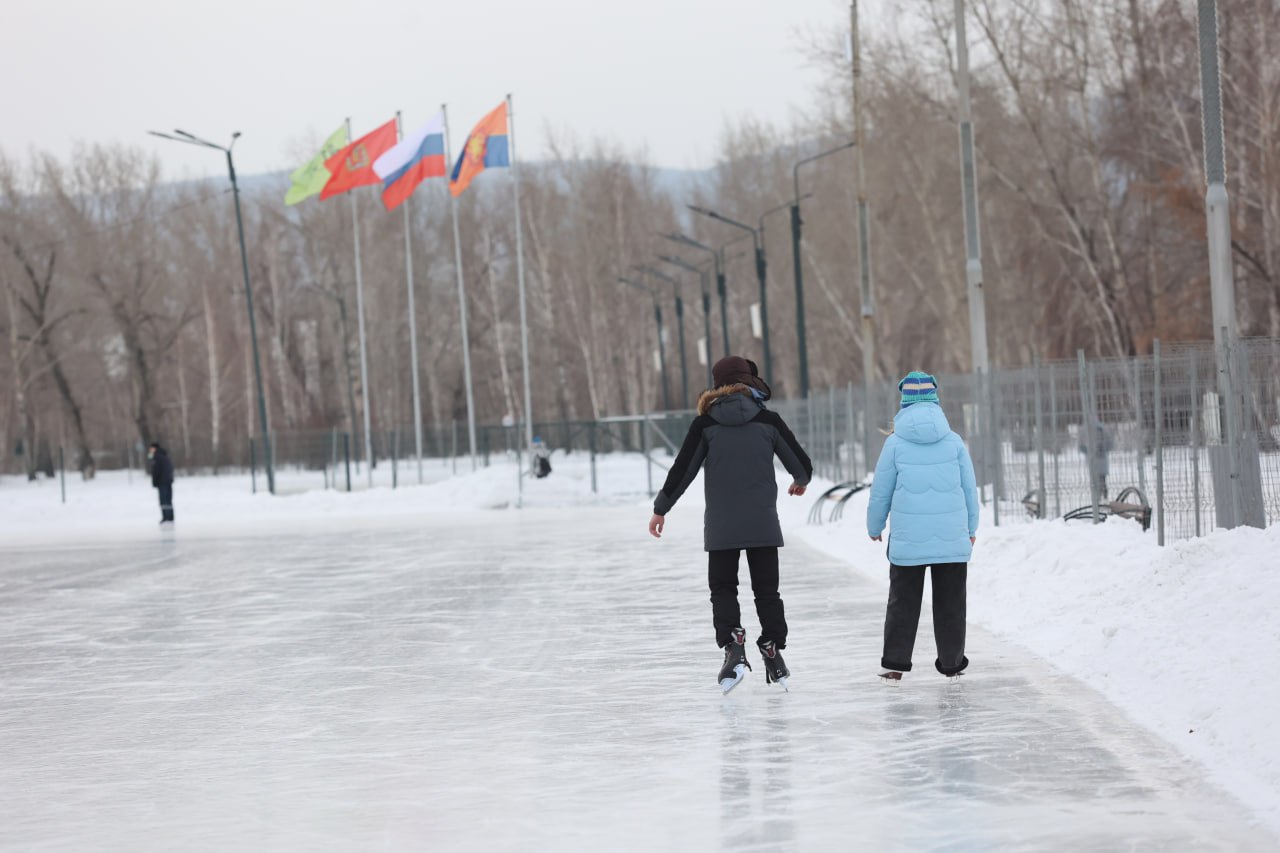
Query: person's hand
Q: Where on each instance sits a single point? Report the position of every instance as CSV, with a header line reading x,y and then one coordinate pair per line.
x,y
973,539
796,489
655,526
876,539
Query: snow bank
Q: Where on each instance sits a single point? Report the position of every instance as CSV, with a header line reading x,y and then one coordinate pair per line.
x,y
1185,638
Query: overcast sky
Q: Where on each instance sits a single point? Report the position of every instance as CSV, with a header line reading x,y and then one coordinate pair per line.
x,y
663,73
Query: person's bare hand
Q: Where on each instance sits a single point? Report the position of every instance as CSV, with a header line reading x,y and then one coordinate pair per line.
x,y
876,539
796,489
973,539
655,526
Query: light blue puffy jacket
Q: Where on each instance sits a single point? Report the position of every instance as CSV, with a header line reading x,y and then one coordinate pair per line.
x,y
925,476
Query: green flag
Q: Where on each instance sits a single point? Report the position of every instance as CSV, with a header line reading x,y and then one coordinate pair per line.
x,y
310,178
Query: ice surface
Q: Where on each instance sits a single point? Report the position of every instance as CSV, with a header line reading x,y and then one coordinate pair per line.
x,y
536,680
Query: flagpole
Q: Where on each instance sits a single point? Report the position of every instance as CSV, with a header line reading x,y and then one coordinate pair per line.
x,y
364,361
462,295
524,323
413,323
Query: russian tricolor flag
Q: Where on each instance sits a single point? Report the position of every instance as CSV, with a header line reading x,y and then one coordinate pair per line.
x,y
420,155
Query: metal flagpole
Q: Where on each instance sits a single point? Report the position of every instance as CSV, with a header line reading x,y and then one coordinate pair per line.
x,y
524,323
364,361
462,298
864,242
413,325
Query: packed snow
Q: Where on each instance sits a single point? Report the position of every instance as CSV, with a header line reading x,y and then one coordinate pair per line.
x,y
1180,639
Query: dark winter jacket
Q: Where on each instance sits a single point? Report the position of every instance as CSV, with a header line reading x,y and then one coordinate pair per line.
x,y
736,438
161,468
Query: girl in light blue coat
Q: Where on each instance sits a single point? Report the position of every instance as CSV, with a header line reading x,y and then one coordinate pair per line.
x,y
925,488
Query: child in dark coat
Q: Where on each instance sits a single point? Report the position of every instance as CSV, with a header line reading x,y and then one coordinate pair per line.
x,y
735,438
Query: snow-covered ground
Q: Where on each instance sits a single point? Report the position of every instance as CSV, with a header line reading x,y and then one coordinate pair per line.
x,y
1182,640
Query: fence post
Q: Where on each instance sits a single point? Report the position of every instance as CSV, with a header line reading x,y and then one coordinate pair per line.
x,y
1043,508
453,450
997,450
1025,425
644,448
1155,351
1195,442
833,462
1087,424
1057,440
346,456
62,473
591,446
852,462
253,465
1142,433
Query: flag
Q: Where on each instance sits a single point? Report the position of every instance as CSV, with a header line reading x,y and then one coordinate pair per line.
x,y
485,148
353,166
420,155
310,178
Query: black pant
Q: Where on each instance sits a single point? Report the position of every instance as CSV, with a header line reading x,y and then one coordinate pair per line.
x,y
166,501
906,589
722,577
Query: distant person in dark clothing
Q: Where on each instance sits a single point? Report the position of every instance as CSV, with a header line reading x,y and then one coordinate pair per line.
x,y
735,438
541,458
162,479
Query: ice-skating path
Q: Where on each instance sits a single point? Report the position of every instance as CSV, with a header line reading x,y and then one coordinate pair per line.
x,y
537,681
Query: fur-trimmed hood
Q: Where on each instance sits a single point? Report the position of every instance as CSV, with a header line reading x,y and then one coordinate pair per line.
x,y
729,404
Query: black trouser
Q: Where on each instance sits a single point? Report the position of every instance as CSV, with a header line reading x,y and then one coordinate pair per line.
x,y
166,501
722,577
906,588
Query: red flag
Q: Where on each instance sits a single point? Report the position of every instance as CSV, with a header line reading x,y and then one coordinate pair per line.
x,y
353,166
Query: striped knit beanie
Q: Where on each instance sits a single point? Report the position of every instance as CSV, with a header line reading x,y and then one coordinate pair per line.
x,y
918,387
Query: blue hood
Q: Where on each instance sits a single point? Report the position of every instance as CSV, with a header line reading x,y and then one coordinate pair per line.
x,y
921,423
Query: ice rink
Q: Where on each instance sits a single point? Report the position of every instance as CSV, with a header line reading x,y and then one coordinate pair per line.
x,y
537,680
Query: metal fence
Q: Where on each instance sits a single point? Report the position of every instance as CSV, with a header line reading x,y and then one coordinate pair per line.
x,y
1184,440
1173,440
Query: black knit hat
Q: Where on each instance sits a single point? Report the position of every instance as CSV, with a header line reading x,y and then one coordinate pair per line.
x,y
734,370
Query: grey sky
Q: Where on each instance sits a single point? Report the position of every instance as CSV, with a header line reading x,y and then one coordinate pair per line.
x,y
662,73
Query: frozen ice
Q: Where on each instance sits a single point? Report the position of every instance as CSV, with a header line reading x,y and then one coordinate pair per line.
x,y
534,680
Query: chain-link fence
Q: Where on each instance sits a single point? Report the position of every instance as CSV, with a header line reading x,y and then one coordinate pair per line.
x,y
1182,440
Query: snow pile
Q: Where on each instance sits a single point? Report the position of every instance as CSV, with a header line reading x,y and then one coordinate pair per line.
x,y
1185,638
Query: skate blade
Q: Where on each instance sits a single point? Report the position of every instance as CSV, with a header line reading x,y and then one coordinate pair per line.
x,y
727,684
783,682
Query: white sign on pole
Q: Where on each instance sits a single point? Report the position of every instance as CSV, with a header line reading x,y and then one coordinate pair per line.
x,y
702,350
657,360
756,328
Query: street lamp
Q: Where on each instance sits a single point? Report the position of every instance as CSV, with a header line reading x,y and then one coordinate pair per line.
x,y
657,316
706,304
190,139
796,257
675,289
760,274
718,260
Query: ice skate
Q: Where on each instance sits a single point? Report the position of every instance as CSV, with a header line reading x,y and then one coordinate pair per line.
x,y
735,661
892,677
775,669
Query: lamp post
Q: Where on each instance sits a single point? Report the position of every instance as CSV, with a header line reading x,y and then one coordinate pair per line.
x,y
802,343
662,357
706,304
675,290
190,139
761,275
718,260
